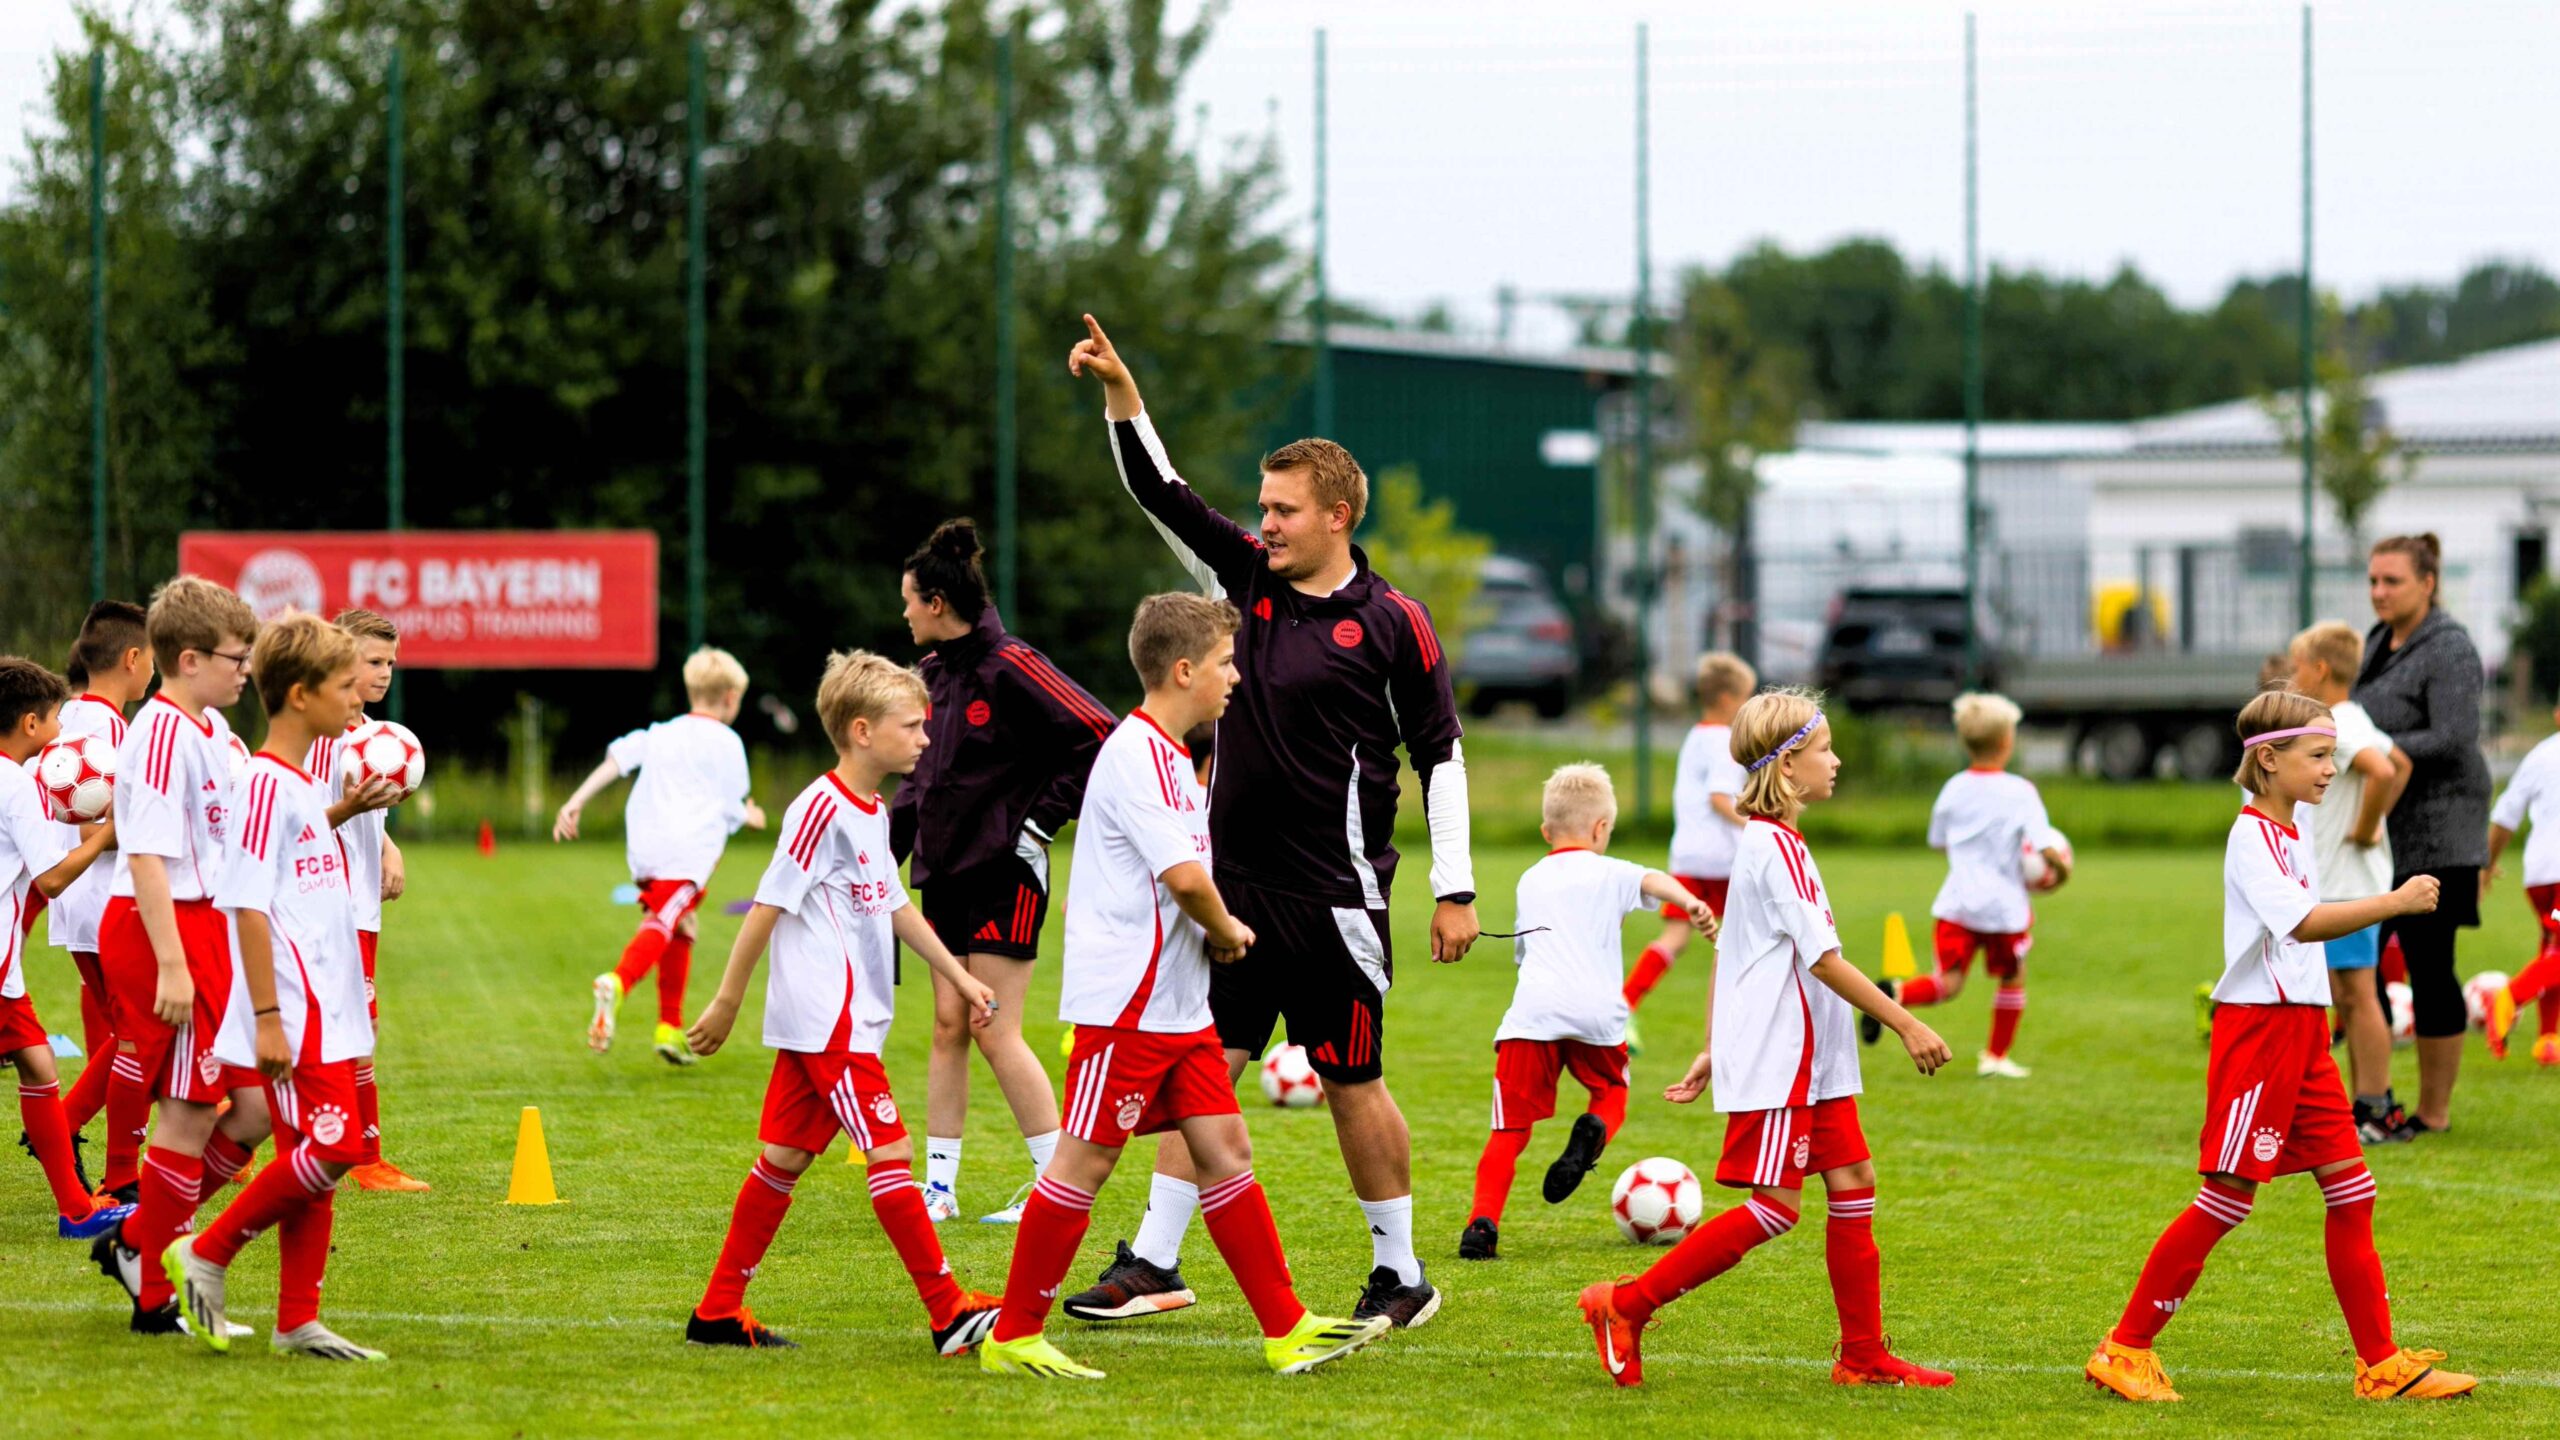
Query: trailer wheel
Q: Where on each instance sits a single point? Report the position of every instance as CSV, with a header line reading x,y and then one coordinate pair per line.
x,y
2122,750
2206,752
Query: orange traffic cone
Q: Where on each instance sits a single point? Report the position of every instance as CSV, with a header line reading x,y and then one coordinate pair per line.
x,y
488,839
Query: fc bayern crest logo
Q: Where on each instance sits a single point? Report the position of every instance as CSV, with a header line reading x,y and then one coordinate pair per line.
x,y
979,712
1130,1110
884,1109
2266,1144
329,1125
208,1067
275,581
1347,634
1804,1151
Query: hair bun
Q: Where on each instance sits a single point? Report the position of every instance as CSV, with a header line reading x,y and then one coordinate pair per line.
x,y
956,540
2434,547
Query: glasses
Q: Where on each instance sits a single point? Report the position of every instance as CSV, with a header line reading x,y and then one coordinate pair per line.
x,y
241,659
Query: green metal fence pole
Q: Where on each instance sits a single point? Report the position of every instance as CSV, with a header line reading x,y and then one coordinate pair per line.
x,y
1008,544
1972,374
395,323
97,325
2303,600
696,400
1323,309
1645,586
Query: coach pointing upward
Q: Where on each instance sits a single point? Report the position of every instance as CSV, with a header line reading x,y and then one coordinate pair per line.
x,y
1339,669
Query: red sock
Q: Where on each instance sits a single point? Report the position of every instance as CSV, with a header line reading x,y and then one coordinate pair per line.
x,y
368,1103
2355,1272
1238,1215
648,943
40,1108
1495,1170
171,1183
673,968
2176,1260
1920,990
1702,1255
288,1183
1053,1224
302,1247
762,1202
1651,966
2008,1006
128,1120
88,1094
1611,1106
97,1025
900,1206
225,1160
1857,1273
2535,979
2550,1012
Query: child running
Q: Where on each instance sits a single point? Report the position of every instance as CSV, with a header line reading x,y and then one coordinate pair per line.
x,y
2531,798
1704,825
1985,819
833,911
1784,1064
2273,1101
1567,1013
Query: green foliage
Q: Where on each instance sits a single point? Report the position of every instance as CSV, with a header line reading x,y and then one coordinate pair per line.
x,y
1417,544
2536,635
2355,457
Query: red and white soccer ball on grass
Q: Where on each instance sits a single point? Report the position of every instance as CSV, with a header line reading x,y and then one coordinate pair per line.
x,y
2031,865
2476,992
1656,1201
1289,1080
79,778
383,750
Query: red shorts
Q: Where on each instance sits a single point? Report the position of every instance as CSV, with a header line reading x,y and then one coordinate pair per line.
x,y
1711,891
19,1027
178,1060
316,1106
1137,1082
1776,1149
366,940
812,1096
2000,953
2274,1104
2544,899
1525,1074
665,903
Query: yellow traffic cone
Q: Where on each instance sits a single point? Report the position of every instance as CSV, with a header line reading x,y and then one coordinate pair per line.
x,y
1898,961
530,1184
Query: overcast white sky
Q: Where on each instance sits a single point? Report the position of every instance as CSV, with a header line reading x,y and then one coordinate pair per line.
x,y
1492,142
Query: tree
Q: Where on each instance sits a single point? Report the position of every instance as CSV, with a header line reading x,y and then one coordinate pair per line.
x,y
1740,399
1419,543
2354,455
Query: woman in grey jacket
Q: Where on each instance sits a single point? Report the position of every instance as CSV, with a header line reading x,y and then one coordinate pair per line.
x,y
2421,683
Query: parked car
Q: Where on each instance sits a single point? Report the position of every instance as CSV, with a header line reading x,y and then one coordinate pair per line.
x,y
1891,647
1524,650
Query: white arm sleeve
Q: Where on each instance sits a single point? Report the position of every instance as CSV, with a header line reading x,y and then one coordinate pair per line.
x,y
1444,807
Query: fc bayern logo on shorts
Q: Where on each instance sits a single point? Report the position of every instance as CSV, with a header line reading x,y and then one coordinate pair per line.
x,y
1804,1151
979,712
1130,1110
328,1125
2267,1143
1347,634
884,1109
208,1067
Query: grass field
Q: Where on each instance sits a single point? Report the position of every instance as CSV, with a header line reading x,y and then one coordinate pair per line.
x,y
2013,1220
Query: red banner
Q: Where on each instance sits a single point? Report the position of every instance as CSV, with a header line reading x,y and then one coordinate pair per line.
x,y
463,599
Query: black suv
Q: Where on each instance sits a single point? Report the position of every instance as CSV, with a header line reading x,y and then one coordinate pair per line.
x,y
1887,647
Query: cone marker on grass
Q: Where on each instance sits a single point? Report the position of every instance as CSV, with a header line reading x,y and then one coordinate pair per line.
x,y
530,1183
1898,961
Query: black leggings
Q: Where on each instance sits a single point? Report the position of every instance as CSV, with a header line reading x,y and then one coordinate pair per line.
x,y
2426,945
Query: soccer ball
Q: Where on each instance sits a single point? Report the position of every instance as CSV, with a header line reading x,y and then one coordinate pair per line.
x,y
2404,1012
2476,993
1656,1201
79,777
1288,1081
383,750
2031,866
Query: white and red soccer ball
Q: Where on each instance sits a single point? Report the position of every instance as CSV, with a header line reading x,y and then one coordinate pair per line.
x,y
2476,993
2031,863
383,750
1656,1201
1289,1080
78,774
2404,1012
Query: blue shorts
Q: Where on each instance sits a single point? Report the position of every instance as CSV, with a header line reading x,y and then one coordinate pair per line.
x,y
2359,951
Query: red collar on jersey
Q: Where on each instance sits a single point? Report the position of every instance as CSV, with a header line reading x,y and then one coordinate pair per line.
x,y
163,697
867,807
2289,832
1141,713
1777,824
289,765
94,698
1986,769
1569,849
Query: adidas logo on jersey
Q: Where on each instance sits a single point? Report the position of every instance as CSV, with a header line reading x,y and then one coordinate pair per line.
x,y
307,836
989,931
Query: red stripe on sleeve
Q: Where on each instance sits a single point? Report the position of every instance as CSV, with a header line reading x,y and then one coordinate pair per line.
x,y
1059,690
1425,641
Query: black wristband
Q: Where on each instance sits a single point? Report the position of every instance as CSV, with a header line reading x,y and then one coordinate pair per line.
x,y
270,1010
1459,897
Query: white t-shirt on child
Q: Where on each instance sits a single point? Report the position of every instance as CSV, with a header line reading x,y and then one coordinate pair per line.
x,y
1572,963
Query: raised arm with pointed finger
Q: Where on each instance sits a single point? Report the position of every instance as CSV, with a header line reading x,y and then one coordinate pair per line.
x,y
1216,551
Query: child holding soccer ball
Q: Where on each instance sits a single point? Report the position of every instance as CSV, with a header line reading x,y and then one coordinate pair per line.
x,y
2274,1104
1784,1062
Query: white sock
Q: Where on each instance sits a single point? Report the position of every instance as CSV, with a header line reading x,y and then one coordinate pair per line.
x,y
942,1164
1041,1148
1170,1206
1391,1237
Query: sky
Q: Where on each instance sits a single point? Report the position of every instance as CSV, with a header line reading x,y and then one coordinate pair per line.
x,y
1492,142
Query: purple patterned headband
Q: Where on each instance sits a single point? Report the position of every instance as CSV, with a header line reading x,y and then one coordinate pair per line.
x,y
1788,744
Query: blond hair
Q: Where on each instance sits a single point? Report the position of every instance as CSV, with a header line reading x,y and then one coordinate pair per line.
x,y
1723,675
2333,643
193,613
712,674
2271,710
1576,799
1761,728
300,649
1983,720
858,685
1177,625
368,625
1336,478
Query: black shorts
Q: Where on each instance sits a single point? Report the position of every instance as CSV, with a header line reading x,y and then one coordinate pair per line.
x,y
1326,970
995,909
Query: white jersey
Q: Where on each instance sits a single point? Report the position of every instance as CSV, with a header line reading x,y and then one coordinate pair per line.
x,y
1702,841
1984,820
690,798
2348,871
1572,962
1134,961
30,844
1781,1038
2533,794
362,834
833,954
2269,882
173,792
282,860
72,919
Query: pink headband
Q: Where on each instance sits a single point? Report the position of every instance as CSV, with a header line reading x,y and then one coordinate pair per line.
x,y
2254,741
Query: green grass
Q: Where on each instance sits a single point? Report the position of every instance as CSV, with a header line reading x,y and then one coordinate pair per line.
x,y
2013,1220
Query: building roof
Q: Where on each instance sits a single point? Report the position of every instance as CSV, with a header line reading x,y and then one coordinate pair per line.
x,y
2505,399
1583,359
2004,441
